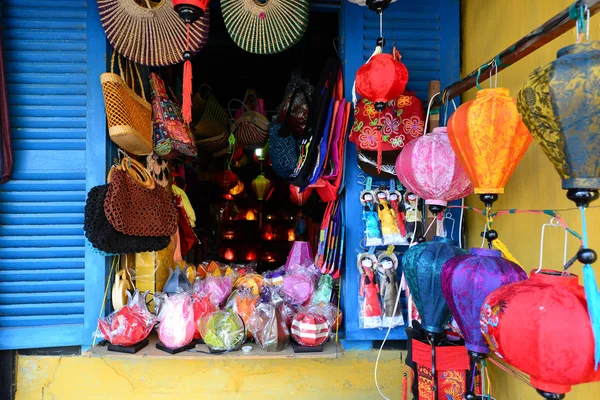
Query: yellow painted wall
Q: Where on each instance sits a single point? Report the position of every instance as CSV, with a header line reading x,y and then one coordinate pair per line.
x,y
488,27
81,378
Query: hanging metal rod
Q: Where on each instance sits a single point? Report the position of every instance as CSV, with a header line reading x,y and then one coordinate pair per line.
x,y
550,30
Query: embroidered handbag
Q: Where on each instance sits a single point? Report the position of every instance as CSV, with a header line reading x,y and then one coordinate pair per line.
x,y
251,127
129,115
137,206
172,137
387,132
283,144
293,108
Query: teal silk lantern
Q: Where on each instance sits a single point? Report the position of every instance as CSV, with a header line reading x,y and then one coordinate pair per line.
x,y
422,266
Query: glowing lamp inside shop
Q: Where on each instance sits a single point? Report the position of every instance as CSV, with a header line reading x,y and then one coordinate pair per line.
x,y
291,235
250,215
229,254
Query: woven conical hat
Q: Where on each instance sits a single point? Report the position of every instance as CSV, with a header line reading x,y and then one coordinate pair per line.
x,y
265,28
154,35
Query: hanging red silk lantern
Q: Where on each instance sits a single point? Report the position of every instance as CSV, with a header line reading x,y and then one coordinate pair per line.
x,y
489,139
428,167
297,197
190,10
261,186
381,79
541,326
227,179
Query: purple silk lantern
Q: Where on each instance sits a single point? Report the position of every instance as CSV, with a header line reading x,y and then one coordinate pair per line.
x,y
466,282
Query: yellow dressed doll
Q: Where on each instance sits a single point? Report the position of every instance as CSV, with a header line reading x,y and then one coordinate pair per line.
x,y
387,216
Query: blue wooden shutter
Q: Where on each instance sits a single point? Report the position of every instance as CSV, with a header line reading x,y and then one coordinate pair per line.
x,y
426,32
50,284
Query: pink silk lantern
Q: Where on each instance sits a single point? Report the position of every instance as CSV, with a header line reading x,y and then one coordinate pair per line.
x,y
428,167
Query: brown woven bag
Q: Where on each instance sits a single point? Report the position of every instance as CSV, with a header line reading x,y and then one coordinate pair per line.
x,y
135,210
129,115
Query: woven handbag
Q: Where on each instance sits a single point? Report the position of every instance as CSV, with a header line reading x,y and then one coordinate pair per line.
x,y
266,27
129,115
105,238
251,127
138,207
213,119
150,32
172,137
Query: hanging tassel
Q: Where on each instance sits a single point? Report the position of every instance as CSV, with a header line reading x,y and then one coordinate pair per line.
x,y
379,146
591,293
186,107
405,387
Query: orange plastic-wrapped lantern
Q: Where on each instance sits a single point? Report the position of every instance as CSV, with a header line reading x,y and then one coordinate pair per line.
x,y
261,186
489,139
381,79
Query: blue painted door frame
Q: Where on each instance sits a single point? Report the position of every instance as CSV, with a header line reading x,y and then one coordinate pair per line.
x,y
51,284
429,33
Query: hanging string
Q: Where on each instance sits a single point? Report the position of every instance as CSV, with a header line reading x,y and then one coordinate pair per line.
x,y
591,292
509,370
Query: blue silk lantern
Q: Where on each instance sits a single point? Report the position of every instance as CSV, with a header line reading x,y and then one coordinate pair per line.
x,y
422,267
467,281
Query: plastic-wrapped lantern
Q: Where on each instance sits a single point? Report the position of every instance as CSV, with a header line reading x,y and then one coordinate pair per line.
x,y
428,167
541,326
489,139
381,79
261,186
559,103
222,331
466,282
310,329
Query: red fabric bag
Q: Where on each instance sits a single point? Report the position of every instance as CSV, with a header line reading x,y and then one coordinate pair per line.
x,y
388,132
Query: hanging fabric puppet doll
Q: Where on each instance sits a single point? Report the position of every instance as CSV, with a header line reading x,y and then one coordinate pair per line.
x,y
396,202
387,264
387,216
369,292
371,220
413,217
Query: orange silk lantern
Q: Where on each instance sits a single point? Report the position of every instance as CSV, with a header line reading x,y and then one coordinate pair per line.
x,y
298,197
489,139
261,186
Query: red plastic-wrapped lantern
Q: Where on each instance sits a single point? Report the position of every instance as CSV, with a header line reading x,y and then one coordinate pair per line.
x,y
542,327
428,167
381,79
310,329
